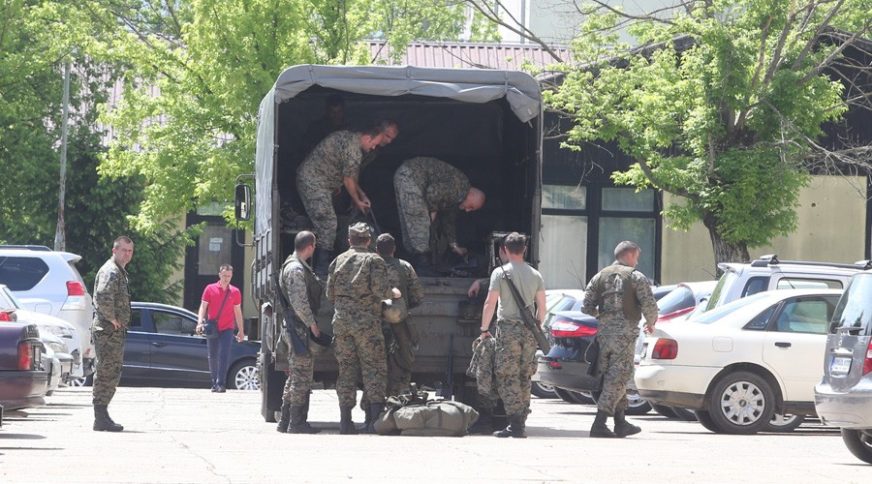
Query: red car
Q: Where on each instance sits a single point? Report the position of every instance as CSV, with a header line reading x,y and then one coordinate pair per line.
x,y
23,379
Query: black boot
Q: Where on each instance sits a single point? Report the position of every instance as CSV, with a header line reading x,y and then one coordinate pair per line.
x,y
423,265
285,420
484,424
516,428
299,425
599,428
624,428
102,422
323,257
346,425
375,411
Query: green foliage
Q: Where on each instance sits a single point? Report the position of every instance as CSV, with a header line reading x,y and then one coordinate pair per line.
x,y
727,121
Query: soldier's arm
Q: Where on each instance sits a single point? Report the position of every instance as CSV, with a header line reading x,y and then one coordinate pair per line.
x,y
299,297
416,292
378,278
645,296
331,295
592,298
104,294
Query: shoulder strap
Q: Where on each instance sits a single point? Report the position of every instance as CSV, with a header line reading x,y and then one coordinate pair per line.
x,y
221,308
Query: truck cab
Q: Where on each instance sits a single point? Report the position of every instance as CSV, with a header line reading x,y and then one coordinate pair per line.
x,y
487,123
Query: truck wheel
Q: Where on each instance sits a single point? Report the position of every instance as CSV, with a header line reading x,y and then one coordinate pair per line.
x,y
741,403
859,442
570,396
272,384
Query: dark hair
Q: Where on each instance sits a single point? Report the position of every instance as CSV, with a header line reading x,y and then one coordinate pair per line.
x,y
225,267
357,240
385,245
304,239
121,239
379,127
515,243
334,100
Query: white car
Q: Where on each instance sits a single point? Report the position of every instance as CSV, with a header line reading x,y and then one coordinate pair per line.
x,y
61,362
742,363
46,281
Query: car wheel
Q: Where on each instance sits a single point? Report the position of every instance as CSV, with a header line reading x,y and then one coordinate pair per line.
x,y
705,418
543,390
741,403
244,376
636,405
573,397
664,411
784,423
859,442
84,381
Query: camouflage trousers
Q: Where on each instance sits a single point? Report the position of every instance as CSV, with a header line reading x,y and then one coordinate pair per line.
x,y
615,364
485,373
401,357
109,344
361,354
299,383
515,360
318,203
413,211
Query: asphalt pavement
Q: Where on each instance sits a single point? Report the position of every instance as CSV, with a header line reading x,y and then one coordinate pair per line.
x,y
195,436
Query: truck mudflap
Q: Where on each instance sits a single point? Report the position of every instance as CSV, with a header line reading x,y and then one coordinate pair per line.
x,y
272,385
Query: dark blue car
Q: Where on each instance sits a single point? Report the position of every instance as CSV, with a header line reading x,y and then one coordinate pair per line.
x,y
162,349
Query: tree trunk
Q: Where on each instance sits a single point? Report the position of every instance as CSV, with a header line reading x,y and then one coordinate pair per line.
x,y
724,251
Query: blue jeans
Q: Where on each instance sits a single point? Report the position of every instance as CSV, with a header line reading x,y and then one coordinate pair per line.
x,y
219,357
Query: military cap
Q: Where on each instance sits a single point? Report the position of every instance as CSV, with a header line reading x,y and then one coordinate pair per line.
x,y
361,230
624,247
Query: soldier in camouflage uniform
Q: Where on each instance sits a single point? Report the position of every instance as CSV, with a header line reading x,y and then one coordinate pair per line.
x,y
334,163
109,329
618,296
515,344
357,284
427,188
303,290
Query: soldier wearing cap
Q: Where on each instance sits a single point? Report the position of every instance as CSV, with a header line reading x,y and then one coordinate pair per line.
x,y
357,284
303,290
618,296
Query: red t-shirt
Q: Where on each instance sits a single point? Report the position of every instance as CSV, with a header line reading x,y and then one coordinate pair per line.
x,y
214,295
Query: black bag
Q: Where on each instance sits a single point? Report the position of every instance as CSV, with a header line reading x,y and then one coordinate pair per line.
x,y
210,329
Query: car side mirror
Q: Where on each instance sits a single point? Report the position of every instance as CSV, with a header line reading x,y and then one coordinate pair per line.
x,y
243,202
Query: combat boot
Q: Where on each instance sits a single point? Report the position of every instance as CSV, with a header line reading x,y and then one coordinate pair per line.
x,y
516,428
102,422
599,428
484,424
375,411
624,428
346,425
423,265
299,425
285,419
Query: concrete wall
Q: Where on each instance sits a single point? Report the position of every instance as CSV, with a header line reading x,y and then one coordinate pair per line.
x,y
831,227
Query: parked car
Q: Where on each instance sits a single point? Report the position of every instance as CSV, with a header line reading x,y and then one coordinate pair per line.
x,y
555,300
68,334
162,348
739,365
843,397
571,333
57,363
23,379
47,281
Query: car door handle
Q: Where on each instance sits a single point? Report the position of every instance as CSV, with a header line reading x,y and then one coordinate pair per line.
x,y
157,344
782,344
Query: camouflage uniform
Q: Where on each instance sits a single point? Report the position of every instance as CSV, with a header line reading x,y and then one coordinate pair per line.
x,y
357,284
320,175
401,354
303,290
604,299
425,185
111,301
485,373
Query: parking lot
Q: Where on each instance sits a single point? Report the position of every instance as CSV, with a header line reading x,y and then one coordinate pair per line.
x,y
184,435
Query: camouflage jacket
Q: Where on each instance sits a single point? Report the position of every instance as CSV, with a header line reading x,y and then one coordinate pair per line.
x,y
302,288
337,156
402,275
604,299
357,282
444,188
111,295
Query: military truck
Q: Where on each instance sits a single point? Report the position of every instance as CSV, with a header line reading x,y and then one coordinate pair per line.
x,y
488,123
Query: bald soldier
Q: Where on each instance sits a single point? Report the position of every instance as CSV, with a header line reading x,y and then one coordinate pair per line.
x,y
428,188
335,163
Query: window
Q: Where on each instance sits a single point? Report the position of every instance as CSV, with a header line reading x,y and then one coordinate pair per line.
x,y
679,298
709,317
214,248
135,319
805,283
855,307
628,200
564,197
755,285
761,321
169,323
642,231
722,288
805,315
22,273
564,250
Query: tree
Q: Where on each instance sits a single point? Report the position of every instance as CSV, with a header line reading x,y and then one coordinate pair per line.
x,y
724,104
199,68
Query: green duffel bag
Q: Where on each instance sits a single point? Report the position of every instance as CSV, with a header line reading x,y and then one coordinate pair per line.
x,y
435,418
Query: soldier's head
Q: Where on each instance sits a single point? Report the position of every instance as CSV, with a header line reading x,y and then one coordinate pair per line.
x,y
225,273
513,247
304,244
474,200
380,133
385,245
334,109
359,235
628,253
122,250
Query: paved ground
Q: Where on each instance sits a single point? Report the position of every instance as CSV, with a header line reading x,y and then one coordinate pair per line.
x,y
181,435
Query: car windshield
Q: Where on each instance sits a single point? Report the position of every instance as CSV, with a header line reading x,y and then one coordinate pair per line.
x,y
709,317
855,307
679,298
721,289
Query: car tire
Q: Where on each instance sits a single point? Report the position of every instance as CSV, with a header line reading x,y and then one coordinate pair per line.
x,y
664,411
684,414
859,442
636,405
741,403
243,375
542,390
784,423
84,381
565,395
705,419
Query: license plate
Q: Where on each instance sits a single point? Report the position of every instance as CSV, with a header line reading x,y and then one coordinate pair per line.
x,y
840,366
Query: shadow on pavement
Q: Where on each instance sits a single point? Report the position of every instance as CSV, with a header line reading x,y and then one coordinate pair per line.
x,y
554,432
4,435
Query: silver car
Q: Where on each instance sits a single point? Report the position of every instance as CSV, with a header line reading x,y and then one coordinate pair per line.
x,y
844,397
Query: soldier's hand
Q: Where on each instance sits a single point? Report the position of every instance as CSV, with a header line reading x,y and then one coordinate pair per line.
x,y
473,289
315,330
461,251
649,328
116,324
396,292
485,335
363,204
